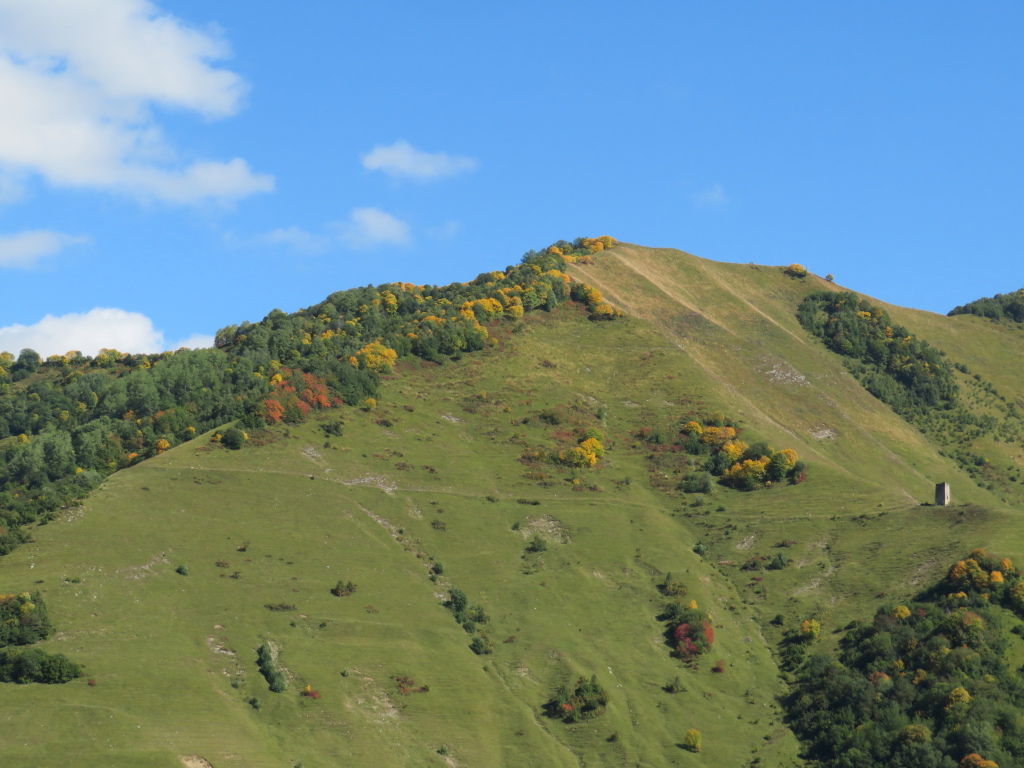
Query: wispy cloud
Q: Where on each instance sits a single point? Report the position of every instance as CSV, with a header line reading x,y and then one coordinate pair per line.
x,y
402,160
26,248
712,197
297,239
364,228
367,227
447,231
78,81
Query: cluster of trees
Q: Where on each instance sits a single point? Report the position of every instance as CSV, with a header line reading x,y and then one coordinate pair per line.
x,y
586,700
901,370
1008,306
716,451
267,666
31,665
68,421
914,379
579,441
925,684
24,619
469,617
689,631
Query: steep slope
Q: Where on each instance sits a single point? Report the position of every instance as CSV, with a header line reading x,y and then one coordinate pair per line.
x,y
457,465
433,472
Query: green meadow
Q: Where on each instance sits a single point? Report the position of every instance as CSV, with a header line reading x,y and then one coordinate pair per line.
x,y
165,581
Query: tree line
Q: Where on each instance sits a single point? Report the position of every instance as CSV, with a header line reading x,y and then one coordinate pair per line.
x,y
70,420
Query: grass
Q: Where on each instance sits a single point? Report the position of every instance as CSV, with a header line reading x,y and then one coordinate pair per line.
x,y
174,656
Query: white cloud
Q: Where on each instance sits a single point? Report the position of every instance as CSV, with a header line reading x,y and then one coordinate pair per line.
x,y
368,227
26,248
91,331
297,239
78,80
713,196
447,231
403,160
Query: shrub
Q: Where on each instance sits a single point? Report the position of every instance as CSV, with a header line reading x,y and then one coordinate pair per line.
x,y
343,589
268,668
589,699
810,629
233,438
182,569
537,544
692,740
796,270
479,646
697,482
675,686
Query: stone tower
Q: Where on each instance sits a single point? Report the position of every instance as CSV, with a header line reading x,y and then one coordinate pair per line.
x,y
942,495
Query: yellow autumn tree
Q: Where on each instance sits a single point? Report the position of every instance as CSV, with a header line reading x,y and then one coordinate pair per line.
x,y
810,629
692,740
974,760
376,357
577,457
746,474
958,695
734,449
719,435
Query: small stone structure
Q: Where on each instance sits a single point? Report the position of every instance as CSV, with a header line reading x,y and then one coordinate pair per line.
x,y
942,497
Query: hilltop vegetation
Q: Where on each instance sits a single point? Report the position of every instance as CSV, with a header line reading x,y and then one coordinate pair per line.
x,y
1002,306
72,420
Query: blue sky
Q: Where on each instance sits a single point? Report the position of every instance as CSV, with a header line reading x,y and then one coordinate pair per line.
x,y
168,168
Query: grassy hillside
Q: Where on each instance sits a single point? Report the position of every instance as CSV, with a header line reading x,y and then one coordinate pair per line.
x,y
440,472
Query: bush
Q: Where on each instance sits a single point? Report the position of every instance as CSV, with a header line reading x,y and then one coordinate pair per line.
x,y
589,699
479,646
343,589
537,544
698,482
795,270
692,740
268,668
234,438
182,569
